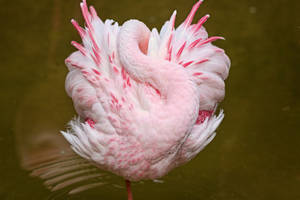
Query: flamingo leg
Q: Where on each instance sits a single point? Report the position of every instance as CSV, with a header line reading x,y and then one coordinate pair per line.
x,y
128,187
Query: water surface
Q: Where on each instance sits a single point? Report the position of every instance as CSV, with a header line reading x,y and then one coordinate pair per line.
x,y
256,152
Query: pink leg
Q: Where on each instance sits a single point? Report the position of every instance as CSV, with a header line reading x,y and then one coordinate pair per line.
x,y
128,187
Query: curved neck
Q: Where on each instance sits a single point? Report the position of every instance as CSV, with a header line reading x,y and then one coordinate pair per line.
x,y
179,93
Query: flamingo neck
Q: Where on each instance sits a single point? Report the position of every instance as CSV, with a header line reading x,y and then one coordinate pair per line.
x,y
178,93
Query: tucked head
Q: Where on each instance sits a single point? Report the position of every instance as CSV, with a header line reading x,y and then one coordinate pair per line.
x,y
146,100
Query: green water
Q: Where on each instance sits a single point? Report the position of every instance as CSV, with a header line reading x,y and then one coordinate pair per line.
x,y
256,152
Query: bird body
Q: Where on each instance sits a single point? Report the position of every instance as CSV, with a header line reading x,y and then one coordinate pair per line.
x,y
146,100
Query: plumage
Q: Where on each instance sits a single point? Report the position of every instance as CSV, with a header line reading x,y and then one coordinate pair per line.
x,y
146,100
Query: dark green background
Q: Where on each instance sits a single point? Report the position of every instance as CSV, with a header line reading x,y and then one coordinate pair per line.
x,y
256,152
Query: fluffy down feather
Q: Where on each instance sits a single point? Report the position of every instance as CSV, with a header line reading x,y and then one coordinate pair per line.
x,y
146,100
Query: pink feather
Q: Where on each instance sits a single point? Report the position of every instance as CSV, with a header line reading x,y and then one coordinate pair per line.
x,y
159,111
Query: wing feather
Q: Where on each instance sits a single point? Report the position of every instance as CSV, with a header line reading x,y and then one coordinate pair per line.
x,y
103,91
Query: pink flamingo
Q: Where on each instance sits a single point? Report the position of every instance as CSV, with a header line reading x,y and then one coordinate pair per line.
x,y
147,98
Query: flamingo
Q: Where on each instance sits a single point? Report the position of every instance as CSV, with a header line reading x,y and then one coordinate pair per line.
x,y
146,100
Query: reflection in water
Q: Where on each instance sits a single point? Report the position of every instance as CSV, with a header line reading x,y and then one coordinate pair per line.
x,y
256,153
68,173
41,148
45,153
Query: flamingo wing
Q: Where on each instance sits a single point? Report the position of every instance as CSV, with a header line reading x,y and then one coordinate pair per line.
x,y
109,101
